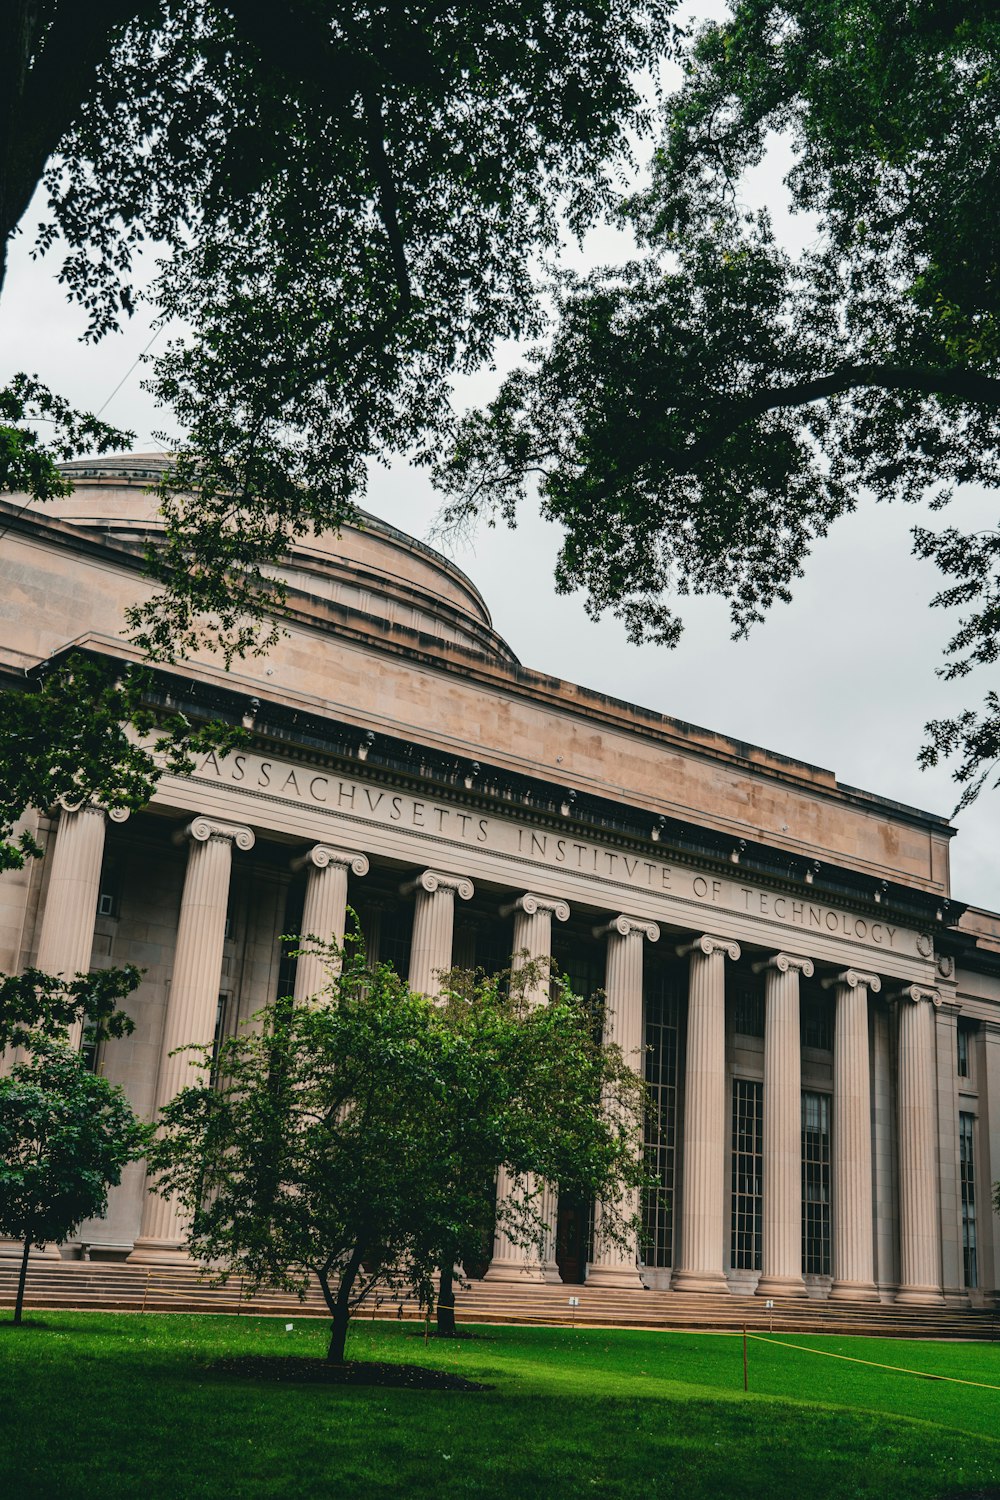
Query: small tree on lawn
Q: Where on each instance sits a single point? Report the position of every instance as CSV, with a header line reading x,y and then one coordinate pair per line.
x,y
65,1135
356,1139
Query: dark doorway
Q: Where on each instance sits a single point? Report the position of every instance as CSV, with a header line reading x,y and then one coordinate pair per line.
x,y
572,1238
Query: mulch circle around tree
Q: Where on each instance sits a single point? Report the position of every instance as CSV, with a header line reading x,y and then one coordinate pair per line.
x,y
283,1367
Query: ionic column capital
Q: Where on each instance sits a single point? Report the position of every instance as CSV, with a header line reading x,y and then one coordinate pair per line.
x,y
433,880
322,855
852,978
915,993
530,904
201,829
66,804
707,944
622,926
784,962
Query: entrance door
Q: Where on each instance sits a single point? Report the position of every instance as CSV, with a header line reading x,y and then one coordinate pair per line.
x,y
572,1238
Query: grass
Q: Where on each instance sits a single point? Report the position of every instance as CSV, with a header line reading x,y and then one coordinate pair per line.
x,y
96,1404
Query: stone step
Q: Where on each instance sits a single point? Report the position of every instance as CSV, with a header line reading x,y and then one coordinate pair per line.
x,y
115,1287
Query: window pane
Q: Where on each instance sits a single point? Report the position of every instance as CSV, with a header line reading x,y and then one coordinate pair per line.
x,y
749,1002
816,1184
663,1003
962,1035
816,1010
966,1129
748,1116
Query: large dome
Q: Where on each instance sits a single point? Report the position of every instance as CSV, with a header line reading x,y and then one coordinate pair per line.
x,y
370,571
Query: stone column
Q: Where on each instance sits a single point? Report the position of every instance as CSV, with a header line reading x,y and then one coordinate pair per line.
x,y
949,1158
433,927
623,1024
324,913
986,1077
919,1216
885,1155
705,1119
192,1004
853,1236
781,1259
67,930
532,940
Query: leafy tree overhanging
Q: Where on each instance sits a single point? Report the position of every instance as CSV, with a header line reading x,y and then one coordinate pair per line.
x,y
699,417
348,202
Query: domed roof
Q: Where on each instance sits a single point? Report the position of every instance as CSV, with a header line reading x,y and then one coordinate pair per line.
x,y
390,584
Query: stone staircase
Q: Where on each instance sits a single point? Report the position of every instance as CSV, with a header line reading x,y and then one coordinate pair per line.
x,y
121,1288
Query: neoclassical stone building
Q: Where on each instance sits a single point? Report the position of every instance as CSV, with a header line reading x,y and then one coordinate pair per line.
x,y
818,1020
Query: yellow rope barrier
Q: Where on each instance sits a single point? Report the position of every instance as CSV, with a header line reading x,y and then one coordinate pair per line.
x,y
853,1359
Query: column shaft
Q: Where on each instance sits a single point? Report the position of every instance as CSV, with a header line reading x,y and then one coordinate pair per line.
x,y
434,928
781,1260
949,1158
919,1217
192,1006
705,1121
613,1266
532,940
66,938
853,1239
324,914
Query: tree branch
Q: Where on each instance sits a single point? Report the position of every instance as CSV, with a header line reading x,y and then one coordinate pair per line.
x,y
388,201
966,385
56,67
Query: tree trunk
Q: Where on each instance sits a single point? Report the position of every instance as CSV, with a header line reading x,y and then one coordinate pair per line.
x,y
446,1304
19,1302
340,1306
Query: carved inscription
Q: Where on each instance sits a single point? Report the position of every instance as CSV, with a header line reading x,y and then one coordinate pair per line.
x,y
354,800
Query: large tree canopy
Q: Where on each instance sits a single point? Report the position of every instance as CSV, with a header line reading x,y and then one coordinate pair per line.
x,y
351,199
348,202
697,418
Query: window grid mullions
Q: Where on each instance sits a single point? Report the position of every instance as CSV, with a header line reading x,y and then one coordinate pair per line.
x,y
747,1165
816,1184
966,1130
662,1025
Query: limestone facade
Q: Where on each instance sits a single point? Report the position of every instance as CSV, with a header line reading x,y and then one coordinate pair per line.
x,y
817,1017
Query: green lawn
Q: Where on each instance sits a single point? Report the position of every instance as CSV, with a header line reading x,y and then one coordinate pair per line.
x,y
96,1404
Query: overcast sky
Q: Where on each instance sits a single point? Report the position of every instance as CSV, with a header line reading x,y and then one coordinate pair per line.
x,y
843,677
